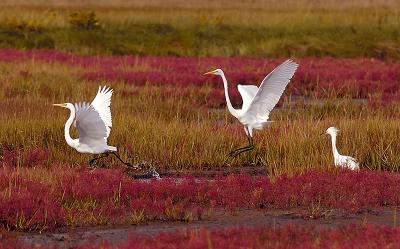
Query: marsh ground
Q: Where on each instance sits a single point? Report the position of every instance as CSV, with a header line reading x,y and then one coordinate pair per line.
x,y
70,238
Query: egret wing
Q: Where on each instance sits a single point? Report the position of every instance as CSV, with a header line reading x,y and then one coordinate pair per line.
x,y
349,160
247,92
271,89
101,103
89,124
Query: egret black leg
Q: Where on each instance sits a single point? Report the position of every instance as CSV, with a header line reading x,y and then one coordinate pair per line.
x,y
119,158
239,151
97,158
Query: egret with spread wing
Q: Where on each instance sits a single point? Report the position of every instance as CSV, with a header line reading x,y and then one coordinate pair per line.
x,y
340,160
93,122
258,102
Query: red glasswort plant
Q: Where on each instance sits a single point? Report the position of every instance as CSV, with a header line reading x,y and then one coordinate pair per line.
x,y
27,204
316,77
36,157
79,197
31,158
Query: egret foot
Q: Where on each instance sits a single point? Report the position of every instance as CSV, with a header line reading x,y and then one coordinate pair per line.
x,y
236,152
128,165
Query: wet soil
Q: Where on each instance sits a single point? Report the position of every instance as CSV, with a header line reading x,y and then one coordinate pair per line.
x,y
208,174
72,237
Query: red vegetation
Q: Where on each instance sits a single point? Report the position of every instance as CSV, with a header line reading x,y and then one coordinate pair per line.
x,y
36,157
14,158
28,205
317,77
79,197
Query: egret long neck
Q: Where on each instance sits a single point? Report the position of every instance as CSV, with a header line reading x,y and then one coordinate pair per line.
x,y
228,101
334,149
68,124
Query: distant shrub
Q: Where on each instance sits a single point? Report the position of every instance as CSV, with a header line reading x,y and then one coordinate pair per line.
x,y
84,20
32,24
28,33
26,25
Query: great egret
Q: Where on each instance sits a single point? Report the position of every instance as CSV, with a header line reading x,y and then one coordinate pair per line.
x,y
258,102
339,160
93,122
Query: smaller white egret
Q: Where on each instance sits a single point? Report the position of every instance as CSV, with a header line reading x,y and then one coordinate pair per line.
x,y
258,102
93,122
339,160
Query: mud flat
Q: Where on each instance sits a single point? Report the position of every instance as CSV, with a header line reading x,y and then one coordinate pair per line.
x,y
70,238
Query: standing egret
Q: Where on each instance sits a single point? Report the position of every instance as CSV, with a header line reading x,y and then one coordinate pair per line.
x,y
339,160
258,102
93,122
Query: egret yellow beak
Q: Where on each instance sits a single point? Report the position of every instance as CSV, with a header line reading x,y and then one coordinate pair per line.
x,y
60,105
211,72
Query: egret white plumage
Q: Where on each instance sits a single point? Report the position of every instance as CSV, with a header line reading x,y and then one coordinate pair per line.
x,y
340,160
93,122
258,102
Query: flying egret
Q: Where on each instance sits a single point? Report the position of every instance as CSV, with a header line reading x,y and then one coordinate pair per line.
x,y
339,160
258,102
93,122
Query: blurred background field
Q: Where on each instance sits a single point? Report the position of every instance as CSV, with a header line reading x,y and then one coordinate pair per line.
x,y
206,28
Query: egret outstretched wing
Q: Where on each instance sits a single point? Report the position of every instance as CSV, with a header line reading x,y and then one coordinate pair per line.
x,y
101,103
247,92
271,90
90,126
